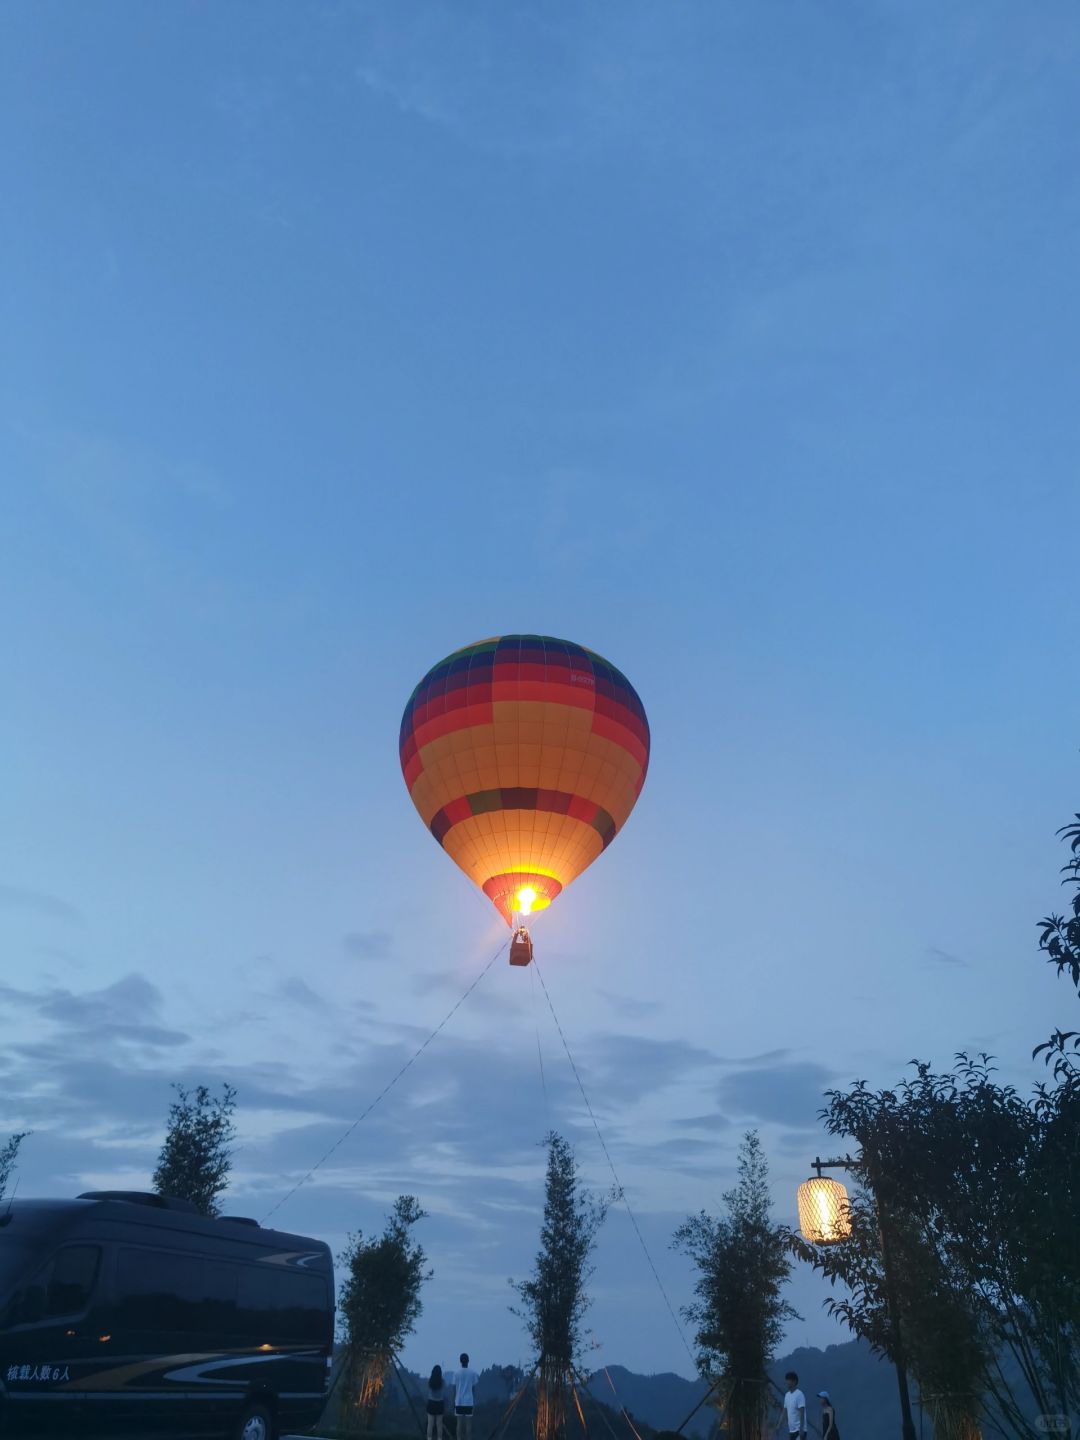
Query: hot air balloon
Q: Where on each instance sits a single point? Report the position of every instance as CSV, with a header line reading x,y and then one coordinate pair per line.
x,y
524,755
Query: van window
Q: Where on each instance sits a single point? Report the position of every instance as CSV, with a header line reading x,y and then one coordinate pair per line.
x,y
279,1304
219,1281
15,1259
62,1287
157,1290
71,1280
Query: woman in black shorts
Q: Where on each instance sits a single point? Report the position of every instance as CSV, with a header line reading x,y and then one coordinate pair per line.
x,y
436,1402
829,1428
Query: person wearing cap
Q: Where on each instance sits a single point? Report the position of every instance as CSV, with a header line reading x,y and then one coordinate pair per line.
x,y
828,1417
794,1402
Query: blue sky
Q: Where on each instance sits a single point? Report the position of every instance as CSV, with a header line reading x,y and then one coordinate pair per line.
x,y
737,342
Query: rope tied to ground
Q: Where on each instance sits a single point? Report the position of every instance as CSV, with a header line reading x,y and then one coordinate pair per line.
x,y
611,1165
387,1087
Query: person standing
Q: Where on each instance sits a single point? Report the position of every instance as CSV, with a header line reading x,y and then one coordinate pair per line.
x,y
795,1407
828,1417
436,1402
464,1382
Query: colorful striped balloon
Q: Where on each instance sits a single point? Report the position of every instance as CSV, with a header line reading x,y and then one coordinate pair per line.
x,y
524,755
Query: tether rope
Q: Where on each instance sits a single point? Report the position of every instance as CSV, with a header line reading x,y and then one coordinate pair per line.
x,y
539,1052
513,1404
387,1087
611,1164
623,1411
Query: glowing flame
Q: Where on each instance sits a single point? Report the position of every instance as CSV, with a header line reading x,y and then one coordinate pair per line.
x,y
526,898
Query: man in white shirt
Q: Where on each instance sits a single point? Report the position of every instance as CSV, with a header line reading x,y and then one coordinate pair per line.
x,y
464,1382
795,1408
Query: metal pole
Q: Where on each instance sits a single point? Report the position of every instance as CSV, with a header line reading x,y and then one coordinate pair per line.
x,y
889,1275
899,1357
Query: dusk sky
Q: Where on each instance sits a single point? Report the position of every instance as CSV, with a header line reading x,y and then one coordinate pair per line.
x,y
735,341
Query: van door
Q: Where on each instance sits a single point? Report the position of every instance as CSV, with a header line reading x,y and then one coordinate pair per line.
x,y
51,1343
147,1342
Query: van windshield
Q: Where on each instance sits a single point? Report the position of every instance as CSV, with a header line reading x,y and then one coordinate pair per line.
x,y
15,1258
63,1285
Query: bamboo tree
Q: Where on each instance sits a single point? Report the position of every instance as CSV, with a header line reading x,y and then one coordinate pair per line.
x,y
378,1305
553,1301
742,1263
9,1153
196,1156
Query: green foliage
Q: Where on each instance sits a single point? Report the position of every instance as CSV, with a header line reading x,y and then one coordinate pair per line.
x,y
9,1153
1059,940
553,1300
1049,1267
512,1378
378,1306
196,1158
379,1298
1060,935
742,1263
977,1194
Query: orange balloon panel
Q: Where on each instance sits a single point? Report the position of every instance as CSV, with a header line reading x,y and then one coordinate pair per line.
x,y
524,756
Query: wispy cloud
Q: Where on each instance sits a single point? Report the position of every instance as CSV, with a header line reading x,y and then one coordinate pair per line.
x,y
367,944
935,956
126,1010
626,1006
39,902
788,1093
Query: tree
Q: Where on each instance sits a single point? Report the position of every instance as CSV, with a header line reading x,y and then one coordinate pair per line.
x,y
553,1301
512,1378
9,1153
742,1262
1059,940
907,1296
1060,937
196,1157
976,1192
379,1304
1054,1283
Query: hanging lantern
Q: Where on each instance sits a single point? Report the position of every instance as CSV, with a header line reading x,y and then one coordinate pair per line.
x,y
823,1211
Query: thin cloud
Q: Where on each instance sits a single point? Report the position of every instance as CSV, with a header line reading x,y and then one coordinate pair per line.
x,y
299,992
935,956
626,1006
126,1010
764,1057
713,1121
788,1094
39,902
367,944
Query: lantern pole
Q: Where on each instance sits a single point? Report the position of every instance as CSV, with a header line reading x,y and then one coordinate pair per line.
x,y
899,1354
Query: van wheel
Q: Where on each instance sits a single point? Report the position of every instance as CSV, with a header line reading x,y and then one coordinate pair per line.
x,y
255,1424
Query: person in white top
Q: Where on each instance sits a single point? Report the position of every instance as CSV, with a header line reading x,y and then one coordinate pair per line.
x,y
795,1407
464,1382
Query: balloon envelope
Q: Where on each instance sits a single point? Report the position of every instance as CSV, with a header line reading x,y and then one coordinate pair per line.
x,y
524,755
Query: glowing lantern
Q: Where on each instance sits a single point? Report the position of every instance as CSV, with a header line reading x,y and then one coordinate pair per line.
x,y
823,1211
